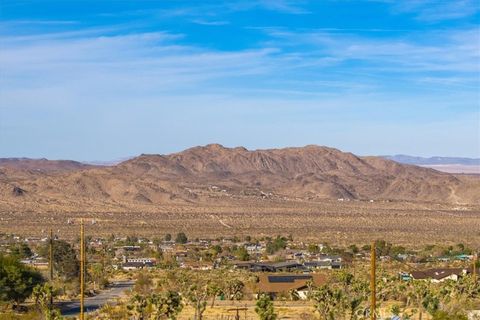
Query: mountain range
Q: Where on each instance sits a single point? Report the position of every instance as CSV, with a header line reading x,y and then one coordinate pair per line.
x,y
434,160
214,173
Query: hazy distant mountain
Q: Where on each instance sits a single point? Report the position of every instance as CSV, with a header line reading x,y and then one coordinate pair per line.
x,y
43,165
214,173
401,158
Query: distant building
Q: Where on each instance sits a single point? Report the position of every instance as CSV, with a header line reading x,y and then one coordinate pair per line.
x,y
288,266
137,263
323,265
283,284
439,274
268,266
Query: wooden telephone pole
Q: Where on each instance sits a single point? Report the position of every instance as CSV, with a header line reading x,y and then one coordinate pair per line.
x,y
373,288
50,265
82,269
474,271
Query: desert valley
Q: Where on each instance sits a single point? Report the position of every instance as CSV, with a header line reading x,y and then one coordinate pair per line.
x,y
310,192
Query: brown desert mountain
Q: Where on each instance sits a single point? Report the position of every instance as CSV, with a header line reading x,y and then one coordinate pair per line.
x,y
215,173
42,165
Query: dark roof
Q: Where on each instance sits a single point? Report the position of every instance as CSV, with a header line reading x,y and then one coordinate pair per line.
x,y
437,273
273,283
137,264
286,264
287,278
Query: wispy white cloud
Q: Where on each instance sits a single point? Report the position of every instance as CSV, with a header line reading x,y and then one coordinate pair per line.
x,y
437,10
211,23
146,63
429,51
311,62
286,6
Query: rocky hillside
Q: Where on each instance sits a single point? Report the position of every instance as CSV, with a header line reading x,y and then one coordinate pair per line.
x,y
215,173
42,165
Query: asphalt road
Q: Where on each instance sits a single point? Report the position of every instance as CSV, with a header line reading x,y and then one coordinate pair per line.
x,y
116,290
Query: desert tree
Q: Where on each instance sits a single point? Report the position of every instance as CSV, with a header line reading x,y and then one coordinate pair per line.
x,y
264,308
197,295
329,302
293,295
194,288
214,289
423,297
16,280
143,284
65,262
234,289
42,295
137,307
181,238
166,305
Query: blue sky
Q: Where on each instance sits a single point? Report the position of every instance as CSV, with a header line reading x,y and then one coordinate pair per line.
x,y
102,80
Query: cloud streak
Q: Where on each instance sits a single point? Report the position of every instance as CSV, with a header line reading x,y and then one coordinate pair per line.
x,y
160,89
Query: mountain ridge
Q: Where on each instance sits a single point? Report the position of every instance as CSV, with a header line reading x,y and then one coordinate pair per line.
x,y
311,172
436,160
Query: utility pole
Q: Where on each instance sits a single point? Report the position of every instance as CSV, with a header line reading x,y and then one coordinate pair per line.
x,y
373,288
474,271
50,255
82,268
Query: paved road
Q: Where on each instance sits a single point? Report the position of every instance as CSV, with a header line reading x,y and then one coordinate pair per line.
x,y
116,290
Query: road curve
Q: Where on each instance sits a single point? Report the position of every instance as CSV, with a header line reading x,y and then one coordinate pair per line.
x,y
115,290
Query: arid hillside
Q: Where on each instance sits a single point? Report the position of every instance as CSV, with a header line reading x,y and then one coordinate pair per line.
x,y
312,192
42,165
217,174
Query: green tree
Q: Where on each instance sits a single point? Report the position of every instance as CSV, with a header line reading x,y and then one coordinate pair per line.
x,y
42,295
234,289
65,262
277,244
144,283
313,248
264,308
16,280
328,302
354,249
165,305
195,288
424,298
22,251
181,238
293,294
98,274
168,237
197,294
214,289
242,254
137,307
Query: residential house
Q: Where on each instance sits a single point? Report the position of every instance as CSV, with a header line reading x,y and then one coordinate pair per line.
x,y
439,274
284,284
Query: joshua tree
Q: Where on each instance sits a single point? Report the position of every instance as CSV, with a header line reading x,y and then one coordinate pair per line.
x,y
214,290
138,307
234,289
328,302
165,305
42,295
197,295
264,308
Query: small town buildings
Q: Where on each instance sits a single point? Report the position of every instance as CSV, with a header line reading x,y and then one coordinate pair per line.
x,y
322,265
286,266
